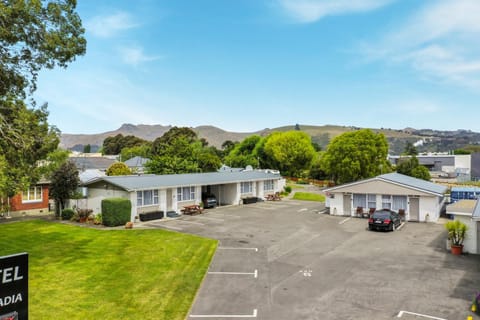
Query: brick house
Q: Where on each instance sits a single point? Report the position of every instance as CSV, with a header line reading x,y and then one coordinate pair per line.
x,y
31,201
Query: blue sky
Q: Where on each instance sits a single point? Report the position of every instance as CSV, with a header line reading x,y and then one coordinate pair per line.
x,y
246,65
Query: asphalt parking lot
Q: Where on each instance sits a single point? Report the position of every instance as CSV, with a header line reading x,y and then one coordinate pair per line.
x,y
285,260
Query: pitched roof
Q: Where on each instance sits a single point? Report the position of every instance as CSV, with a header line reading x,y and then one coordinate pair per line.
x,y
402,180
414,182
83,163
145,182
476,211
136,161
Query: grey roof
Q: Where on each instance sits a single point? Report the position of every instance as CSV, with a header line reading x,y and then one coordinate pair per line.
x,y
136,162
145,182
90,174
404,180
414,182
84,163
476,211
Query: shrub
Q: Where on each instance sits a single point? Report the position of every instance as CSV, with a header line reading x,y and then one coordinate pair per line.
x,y
288,189
457,231
116,211
67,214
97,219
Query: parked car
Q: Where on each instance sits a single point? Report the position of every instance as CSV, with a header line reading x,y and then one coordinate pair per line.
x,y
384,220
209,201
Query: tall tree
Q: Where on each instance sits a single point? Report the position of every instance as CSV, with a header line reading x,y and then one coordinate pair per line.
x,y
356,155
34,35
410,166
290,152
118,169
63,185
114,145
180,151
410,149
244,153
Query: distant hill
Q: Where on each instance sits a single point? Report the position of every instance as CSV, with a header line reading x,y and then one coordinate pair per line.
x,y
425,139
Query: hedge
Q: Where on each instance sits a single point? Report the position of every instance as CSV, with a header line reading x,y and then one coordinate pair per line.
x,y
116,211
67,214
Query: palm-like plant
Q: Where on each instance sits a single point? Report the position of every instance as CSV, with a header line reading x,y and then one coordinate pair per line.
x,y
456,232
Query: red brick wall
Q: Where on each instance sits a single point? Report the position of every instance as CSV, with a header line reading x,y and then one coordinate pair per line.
x,y
17,205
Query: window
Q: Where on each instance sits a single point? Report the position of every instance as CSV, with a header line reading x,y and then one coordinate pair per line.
x,y
246,187
372,200
268,185
386,201
147,198
399,202
33,194
185,193
359,200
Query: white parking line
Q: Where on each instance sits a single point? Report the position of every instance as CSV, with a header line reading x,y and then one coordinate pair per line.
x,y
210,218
253,315
400,314
169,227
231,248
192,222
255,273
223,215
302,210
344,220
401,226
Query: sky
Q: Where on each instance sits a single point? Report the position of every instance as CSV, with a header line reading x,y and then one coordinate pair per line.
x,y
246,65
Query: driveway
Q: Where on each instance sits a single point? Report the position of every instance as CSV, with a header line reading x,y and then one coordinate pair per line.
x,y
285,260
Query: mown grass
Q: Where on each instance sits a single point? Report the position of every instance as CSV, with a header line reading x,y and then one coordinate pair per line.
x,y
307,196
82,273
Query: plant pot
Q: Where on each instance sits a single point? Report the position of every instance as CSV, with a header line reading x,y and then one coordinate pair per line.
x,y
456,249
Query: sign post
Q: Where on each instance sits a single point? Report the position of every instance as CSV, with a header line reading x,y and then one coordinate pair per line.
x,y
14,287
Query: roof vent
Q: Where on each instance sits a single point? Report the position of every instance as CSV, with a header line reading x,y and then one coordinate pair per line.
x,y
249,168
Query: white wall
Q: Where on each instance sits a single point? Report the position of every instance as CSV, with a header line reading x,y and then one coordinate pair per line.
x,y
336,204
470,242
463,161
430,206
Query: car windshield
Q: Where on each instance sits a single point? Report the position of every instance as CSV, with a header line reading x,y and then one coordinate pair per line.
x,y
381,215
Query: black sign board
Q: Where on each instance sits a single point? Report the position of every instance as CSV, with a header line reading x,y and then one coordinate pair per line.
x,y
14,287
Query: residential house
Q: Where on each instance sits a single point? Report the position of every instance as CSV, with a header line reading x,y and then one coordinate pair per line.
x,y
418,200
137,164
170,193
34,200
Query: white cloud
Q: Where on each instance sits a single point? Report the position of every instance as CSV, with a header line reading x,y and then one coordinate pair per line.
x,y
306,11
438,42
107,26
135,55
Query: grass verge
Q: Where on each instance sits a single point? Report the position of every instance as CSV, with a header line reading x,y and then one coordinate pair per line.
x,y
307,196
82,273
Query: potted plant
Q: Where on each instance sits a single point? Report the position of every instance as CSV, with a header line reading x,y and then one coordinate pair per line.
x,y
456,234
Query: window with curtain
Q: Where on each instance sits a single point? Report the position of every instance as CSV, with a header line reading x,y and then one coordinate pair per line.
x,y
359,200
372,200
186,193
147,198
386,201
246,187
268,185
32,194
399,202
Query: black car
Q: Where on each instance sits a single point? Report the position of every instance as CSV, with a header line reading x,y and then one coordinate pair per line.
x,y
209,201
384,220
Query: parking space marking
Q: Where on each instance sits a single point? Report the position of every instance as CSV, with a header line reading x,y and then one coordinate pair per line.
x,y
223,215
232,248
210,218
253,315
302,210
168,227
400,314
255,273
192,222
344,220
401,226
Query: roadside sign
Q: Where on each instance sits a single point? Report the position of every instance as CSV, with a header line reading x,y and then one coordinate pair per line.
x,y
14,287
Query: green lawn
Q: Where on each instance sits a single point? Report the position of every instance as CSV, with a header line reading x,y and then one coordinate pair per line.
x,y
309,196
83,273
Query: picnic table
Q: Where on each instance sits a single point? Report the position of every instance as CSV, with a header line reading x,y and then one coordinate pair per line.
x,y
273,197
192,209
